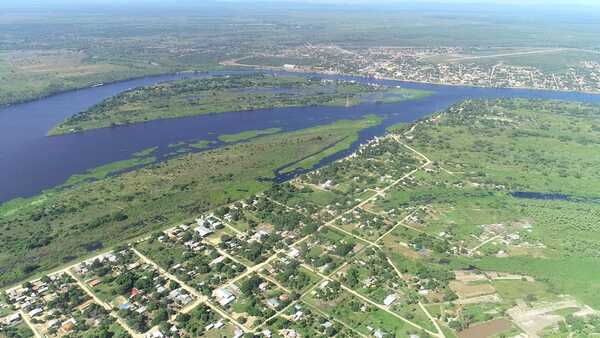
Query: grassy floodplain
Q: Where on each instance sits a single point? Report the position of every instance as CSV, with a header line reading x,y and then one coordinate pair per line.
x,y
63,224
245,135
223,94
489,149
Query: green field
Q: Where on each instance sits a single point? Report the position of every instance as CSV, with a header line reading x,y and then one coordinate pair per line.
x,y
493,148
245,135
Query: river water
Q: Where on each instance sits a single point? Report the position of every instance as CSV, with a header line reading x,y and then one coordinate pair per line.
x,y
31,162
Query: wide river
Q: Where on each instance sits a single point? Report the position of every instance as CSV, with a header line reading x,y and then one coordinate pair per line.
x,y
31,162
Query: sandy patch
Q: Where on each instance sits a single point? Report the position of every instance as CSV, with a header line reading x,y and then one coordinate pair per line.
x,y
464,290
487,329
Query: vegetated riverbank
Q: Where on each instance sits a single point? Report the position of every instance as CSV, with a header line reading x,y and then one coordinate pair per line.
x,y
226,94
50,160
61,225
248,134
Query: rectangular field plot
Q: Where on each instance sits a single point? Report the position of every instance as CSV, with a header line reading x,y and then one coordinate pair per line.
x,y
263,212
271,226
371,275
416,244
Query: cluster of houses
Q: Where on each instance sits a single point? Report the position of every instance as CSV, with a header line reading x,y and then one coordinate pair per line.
x,y
204,226
223,296
10,320
32,300
115,260
367,223
410,64
226,295
207,225
191,239
137,299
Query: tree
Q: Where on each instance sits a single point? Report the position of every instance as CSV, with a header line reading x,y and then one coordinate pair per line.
x,y
250,284
162,315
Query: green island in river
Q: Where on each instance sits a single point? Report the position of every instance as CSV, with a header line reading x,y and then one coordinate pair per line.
x,y
191,97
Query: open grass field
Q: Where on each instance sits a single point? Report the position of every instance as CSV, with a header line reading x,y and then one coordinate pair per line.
x,y
495,148
550,60
347,310
245,135
29,74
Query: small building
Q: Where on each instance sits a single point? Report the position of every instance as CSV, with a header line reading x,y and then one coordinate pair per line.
x,y
216,260
238,333
223,296
35,312
68,325
297,315
290,334
134,292
94,282
12,319
273,303
183,299
203,231
264,286
389,300
294,253
133,265
85,305
154,334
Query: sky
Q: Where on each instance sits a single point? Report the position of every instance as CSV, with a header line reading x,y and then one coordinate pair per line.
x,y
519,2
374,4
